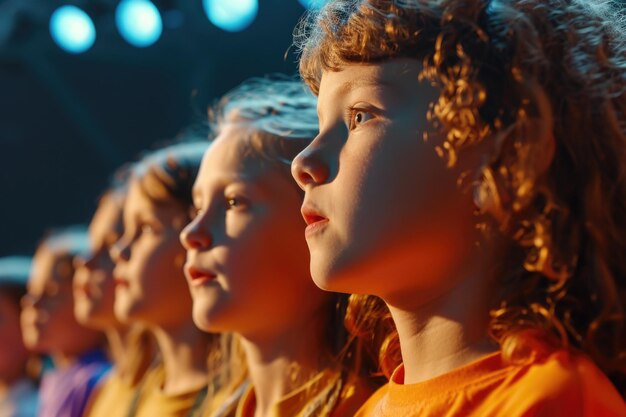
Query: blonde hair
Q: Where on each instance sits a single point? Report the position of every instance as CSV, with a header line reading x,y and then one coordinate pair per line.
x,y
166,175
525,75
278,113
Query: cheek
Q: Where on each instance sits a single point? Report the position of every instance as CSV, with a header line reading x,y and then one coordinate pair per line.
x,y
61,315
161,277
397,202
151,262
273,247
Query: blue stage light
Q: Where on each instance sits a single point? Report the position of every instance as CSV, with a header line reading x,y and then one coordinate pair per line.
x,y
313,4
72,29
231,15
139,22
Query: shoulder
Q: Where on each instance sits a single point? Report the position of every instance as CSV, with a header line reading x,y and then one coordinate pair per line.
x,y
374,402
562,384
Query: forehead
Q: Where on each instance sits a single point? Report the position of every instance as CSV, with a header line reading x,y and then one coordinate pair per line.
x,y
45,267
400,75
138,205
107,217
231,158
136,200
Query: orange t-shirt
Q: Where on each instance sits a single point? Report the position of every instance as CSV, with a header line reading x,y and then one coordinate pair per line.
x,y
564,384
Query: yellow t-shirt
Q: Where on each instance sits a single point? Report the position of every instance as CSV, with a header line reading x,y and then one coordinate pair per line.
x,y
323,395
112,398
564,384
153,402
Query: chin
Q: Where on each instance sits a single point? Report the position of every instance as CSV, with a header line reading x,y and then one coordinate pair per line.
x,y
326,280
212,317
341,277
124,313
202,313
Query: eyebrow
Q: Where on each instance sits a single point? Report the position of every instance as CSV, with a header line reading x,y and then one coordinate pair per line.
x,y
227,180
351,85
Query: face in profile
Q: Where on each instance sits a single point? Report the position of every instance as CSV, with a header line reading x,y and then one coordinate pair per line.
x,y
48,322
94,288
150,285
247,260
384,214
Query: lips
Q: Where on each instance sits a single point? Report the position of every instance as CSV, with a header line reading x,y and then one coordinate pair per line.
x,y
82,290
197,276
314,220
121,282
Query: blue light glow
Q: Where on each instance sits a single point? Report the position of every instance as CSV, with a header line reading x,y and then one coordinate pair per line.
x,y
231,15
72,29
313,4
139,22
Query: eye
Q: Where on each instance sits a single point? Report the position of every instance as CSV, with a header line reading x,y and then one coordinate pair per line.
x,y
358,117
146,229
194,212
236,203
233,202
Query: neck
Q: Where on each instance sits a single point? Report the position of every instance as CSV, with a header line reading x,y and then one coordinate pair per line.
x,y
184,350
281,362
117,347
440,334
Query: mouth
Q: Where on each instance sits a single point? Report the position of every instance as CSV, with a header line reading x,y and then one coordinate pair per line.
x,y
120,282
313,219
197,277
81,291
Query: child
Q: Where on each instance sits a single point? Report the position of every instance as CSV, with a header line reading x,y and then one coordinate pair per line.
x,y
247,263
18,391
49,326
150,285
524,102
130,348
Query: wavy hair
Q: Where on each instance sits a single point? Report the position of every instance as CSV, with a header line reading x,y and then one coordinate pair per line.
x,y
166,175
278,113
528,76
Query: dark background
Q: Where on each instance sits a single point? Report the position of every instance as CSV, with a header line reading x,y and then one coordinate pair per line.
x,y
67,121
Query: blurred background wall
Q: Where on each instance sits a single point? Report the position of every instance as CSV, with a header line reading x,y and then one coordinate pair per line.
x,y
86,85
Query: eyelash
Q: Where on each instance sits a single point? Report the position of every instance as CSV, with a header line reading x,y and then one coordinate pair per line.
x,y
145,228
233,203
194,212
352,113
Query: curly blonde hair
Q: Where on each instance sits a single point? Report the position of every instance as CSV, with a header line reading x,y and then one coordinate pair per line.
x,y
528,76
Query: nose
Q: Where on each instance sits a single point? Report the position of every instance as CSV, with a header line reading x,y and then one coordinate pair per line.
x,y
87,261
196,235
31,301
120,251
309,167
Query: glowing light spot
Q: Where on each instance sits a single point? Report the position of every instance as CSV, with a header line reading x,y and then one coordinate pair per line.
x,y
231,15
139,22
313,4
72,29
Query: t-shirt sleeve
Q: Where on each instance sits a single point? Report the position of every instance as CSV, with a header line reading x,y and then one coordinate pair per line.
x,y
566,386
